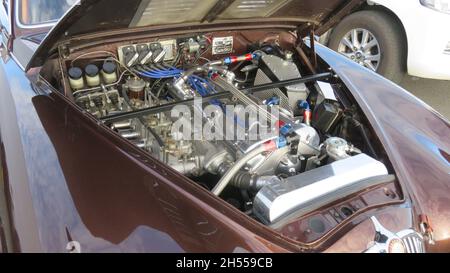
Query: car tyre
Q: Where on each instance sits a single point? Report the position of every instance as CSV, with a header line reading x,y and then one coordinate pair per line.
x,y
388,33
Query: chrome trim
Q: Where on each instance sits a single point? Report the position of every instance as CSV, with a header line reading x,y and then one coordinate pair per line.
x,y
17,61
412,240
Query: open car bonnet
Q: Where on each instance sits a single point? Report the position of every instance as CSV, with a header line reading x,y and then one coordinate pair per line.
x,y
90,16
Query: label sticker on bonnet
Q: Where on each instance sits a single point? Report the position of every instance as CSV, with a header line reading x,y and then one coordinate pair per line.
x,y
222,45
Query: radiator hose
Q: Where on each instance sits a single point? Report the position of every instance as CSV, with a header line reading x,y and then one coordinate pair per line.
x,y
225,180
247,181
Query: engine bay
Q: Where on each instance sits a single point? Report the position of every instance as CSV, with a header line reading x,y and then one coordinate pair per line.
x,y
271,131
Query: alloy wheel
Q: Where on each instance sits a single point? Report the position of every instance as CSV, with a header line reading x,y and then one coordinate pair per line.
x,y
361,46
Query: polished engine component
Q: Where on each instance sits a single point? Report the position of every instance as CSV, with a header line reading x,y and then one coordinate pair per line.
x,y
192,46
181,90
338,148
274,68
134,132
267,120
297,193
196,158
308,139
189,157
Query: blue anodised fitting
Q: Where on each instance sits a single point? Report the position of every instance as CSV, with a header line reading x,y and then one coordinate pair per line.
x,y
272,101
307,114
303,104
281,142
256,55
286,130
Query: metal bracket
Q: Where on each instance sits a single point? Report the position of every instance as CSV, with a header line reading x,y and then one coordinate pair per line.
x,y
307,30
426,229
312,40
63,51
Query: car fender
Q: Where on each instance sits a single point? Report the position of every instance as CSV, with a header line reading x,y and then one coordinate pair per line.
x,y
414,136
13,113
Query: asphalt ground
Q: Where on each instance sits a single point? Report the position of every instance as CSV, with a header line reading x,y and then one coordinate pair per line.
x,y
433,92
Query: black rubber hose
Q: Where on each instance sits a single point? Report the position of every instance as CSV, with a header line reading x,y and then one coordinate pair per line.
x,y
150,129
363,133
245,181
242,180
160,89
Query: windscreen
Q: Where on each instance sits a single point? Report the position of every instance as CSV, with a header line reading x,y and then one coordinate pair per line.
x,y
156,12
38,12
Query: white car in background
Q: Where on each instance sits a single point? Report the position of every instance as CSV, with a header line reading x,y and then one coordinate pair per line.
x,y
393,37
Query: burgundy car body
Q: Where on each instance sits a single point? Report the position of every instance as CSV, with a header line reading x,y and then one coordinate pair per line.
x,y
68,178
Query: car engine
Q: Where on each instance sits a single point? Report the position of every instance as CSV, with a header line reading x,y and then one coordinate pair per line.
x,y
265,134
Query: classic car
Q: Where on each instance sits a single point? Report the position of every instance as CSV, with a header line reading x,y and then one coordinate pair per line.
x,y
96,154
